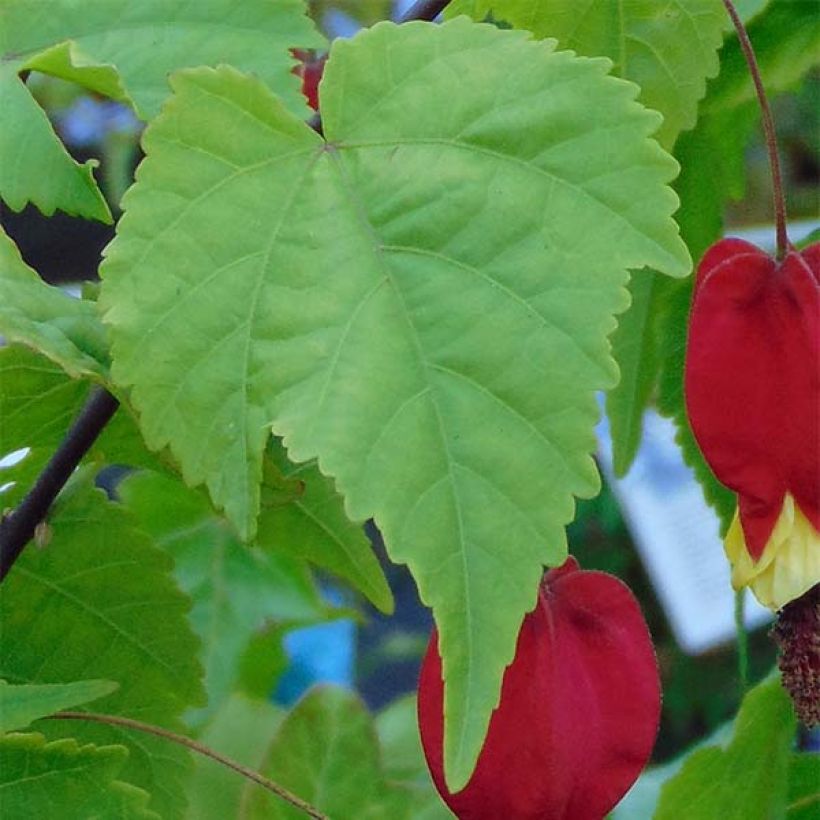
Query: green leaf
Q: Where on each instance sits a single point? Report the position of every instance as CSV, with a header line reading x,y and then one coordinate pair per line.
x,y
235,590
326,752
403,758
63,779
146,41
37,405
65,329
786,40
634,349
35,166
20,705
375,311
107,581
804,786
241,729
313,526
668,49
748,780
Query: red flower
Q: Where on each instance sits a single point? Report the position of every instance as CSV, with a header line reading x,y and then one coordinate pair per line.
x,y
579,707
310,69
753,397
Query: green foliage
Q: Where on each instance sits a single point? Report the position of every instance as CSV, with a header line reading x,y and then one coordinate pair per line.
x,y
235,590
758,756
21,705
366,317
312,525
804,787
242,729
64,329
326,752
668,49
145,41
37,778
98,602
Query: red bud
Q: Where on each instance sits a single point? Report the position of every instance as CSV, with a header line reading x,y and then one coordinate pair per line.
x,y
579,708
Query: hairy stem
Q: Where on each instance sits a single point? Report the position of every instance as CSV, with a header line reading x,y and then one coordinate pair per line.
x,y
181,740
17,528
783,244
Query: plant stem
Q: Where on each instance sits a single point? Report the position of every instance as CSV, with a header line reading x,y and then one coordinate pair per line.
x,y
783,244
17,528
742,638
425,10
181,740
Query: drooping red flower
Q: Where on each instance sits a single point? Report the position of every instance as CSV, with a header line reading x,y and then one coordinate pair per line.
x,y
310,69
752,385
579,707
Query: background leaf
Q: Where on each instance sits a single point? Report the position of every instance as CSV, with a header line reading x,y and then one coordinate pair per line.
x,y
236,590
313,526
113,587
36,777
65,329
410,340
22,704
747,780
242,728
326,752
36,167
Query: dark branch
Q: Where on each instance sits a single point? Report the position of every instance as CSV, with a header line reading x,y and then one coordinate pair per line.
x,y
17,529
425,10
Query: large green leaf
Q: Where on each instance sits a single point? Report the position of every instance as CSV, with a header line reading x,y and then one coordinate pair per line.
x,y
24,703
99,602
313,526
236,590
748,780
669,49
63,779
421,302
326,751
125,50
66,330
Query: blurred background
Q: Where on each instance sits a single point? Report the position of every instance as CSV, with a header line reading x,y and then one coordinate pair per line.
x,y
380,656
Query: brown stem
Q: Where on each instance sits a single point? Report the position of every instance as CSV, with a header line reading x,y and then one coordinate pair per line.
x,y
783,244
250,774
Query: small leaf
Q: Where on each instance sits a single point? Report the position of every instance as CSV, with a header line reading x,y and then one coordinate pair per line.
x,y
236,590
326,752
313,526
35,166
364,317
22,704
65,329
63,779
113,587
747,780
804,786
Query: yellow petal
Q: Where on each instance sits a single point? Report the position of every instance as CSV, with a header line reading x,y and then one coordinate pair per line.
x,y
789,565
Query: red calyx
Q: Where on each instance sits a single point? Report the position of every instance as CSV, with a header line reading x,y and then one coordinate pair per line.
x,y
579,707
752,379
310,69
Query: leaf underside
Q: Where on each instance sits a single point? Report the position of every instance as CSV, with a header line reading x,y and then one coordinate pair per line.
x,y
421,303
